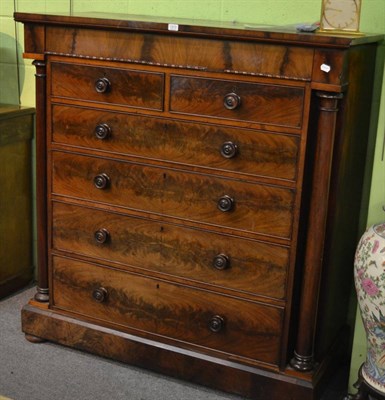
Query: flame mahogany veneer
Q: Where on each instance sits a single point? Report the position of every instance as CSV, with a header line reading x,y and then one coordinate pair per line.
x,y
198,194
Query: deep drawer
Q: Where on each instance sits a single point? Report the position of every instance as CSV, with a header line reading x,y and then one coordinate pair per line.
x,y
198,255
190,316
107,85
234,204
236,100
236,150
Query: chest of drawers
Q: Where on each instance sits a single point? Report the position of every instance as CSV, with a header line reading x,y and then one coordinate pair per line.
x,y
199,194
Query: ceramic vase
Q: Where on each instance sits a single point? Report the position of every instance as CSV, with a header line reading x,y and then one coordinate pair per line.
x,y
369,277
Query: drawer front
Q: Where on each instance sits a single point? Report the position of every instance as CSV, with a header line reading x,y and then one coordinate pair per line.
x,y
191,196
219,147
190,316
268,59
200,256
107,85
243,101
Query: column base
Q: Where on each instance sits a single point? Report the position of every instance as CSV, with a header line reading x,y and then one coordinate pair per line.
x,y
302,363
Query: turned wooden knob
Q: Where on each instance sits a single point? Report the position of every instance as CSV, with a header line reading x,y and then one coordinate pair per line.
x,y
102,85
102,131
225,203
100,295
232,101
216,324
102,236
221,261
102,181
229,149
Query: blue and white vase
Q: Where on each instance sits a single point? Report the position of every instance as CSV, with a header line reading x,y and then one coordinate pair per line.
x,y
369,277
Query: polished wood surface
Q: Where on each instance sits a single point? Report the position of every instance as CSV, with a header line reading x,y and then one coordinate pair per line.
x,y
192,197
266,104
157,307
16,133
258,153
123,86
256,208
253,267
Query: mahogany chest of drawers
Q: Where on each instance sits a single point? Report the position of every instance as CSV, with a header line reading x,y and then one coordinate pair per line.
x,y
199,192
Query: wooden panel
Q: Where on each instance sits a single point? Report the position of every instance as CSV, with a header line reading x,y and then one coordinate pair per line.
x,y
182,313
258,153
291,62
34,38
16,213
16,265
267,104
255,267
127,87
257,208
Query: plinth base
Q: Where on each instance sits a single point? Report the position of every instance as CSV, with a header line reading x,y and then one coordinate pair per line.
x,y
38,321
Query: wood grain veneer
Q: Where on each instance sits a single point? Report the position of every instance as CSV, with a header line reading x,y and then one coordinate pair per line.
x,y
192,196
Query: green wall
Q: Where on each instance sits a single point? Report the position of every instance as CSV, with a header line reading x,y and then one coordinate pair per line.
x,y
17,75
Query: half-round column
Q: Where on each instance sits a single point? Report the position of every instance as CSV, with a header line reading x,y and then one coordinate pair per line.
x,y
303,359
41,184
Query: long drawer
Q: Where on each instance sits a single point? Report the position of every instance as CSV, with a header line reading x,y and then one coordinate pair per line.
x,y
194,317
242,101
224,148
102,84
197,255
265,209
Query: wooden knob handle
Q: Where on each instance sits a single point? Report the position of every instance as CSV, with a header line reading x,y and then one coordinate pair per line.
x,y
102,181
102,85
221,261
216,323
102,131
229,150
225,203
102,236
100,295
232,101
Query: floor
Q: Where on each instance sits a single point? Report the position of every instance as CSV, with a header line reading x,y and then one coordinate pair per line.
x,y
48,371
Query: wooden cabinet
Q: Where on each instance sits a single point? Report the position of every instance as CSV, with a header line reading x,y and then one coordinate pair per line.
x,y
16,132
199,194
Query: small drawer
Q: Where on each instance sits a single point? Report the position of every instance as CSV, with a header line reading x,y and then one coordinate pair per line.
x,y
197,255
188,316
100,84
244,206
237,100
213,146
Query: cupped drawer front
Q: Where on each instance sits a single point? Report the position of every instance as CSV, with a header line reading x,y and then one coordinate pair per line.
x,y
200,256
107,85
290,62
236,150
245,206
236,100
202,318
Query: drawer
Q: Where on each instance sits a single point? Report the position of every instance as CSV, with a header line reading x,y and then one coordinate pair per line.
x,y
197,255
227,149
237,100
100,84
234,204
190,316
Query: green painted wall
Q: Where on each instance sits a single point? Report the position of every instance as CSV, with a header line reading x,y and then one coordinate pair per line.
x,y
17,75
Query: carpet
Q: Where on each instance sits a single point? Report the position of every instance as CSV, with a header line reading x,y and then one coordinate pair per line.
x,y
47,371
